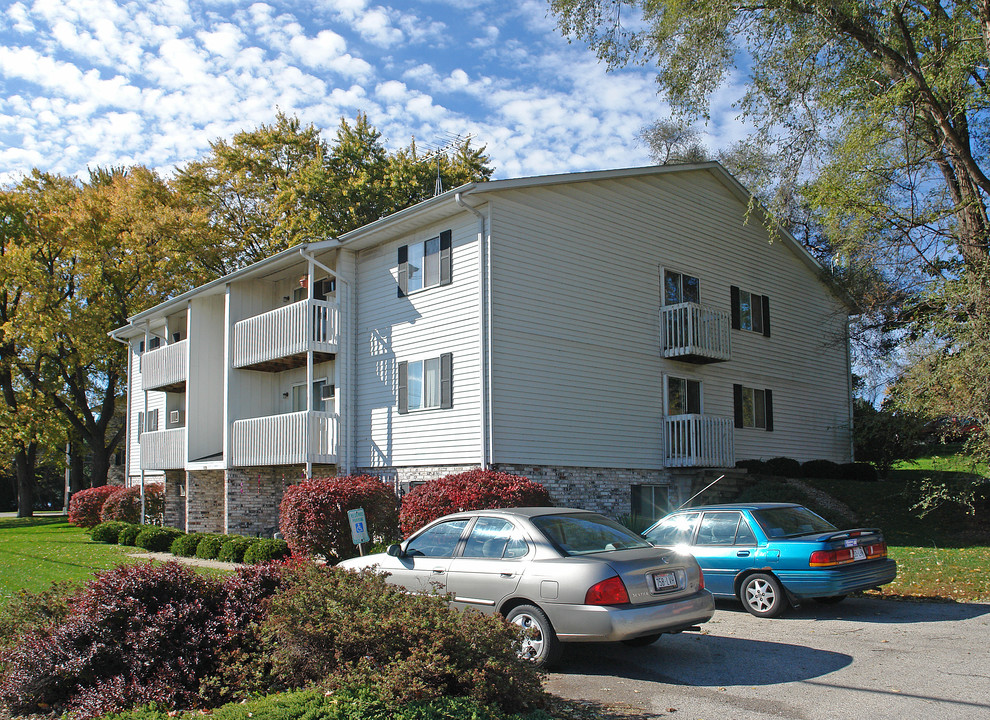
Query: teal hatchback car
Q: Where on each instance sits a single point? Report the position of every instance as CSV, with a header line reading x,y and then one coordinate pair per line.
x,y
773,555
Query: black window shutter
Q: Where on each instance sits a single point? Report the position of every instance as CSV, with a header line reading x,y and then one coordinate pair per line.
x,y
734,296
737,409
769,402
446,384
766,319
403,270
403,388
445,264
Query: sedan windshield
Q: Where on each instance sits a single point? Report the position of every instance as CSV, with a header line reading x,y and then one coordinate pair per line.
x,y
791,521
580,534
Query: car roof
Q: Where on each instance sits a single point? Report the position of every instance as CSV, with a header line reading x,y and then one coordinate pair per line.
x,y
739,506
526,512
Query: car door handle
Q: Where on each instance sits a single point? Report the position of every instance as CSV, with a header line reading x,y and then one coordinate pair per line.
x,y
742,553
438,571
506,574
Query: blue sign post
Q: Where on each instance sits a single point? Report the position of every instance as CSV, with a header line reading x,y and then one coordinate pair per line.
x,y
359,528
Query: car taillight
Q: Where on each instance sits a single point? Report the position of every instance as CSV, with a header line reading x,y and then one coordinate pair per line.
x,y
824,558
701,579
876,550
607,592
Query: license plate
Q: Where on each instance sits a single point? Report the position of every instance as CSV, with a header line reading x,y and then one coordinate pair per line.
x,y
859,553
664,580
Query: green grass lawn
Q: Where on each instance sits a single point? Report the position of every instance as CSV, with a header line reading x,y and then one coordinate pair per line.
x,y
935,573
35,552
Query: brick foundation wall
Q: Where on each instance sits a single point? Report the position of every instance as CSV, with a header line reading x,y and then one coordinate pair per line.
x,y
253,496
205,501
404,478
175,499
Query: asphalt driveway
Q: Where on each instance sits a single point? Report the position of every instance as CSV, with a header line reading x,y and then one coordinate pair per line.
x,y
863,658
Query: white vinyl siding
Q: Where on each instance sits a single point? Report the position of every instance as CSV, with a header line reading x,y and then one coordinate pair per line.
x,y
420,325
577,370
156,403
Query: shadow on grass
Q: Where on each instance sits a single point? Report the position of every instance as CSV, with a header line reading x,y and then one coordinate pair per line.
x,y
12,523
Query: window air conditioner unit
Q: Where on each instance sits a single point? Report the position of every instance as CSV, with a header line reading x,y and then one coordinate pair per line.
x,y
327,392
175,417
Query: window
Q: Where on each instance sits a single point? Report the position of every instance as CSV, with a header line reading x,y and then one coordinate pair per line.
x,y
438,541
494,538
425,264
674,530
321,289
683,396
753,407
147,423
649,502
724,528
425,384
678,288
750,311
299,396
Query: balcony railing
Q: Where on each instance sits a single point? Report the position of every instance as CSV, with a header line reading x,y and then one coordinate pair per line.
x,y
694,333
165,368
698,441
289,439
163,449
286,332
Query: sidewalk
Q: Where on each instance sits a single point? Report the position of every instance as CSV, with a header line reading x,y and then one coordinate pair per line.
x,y
193,561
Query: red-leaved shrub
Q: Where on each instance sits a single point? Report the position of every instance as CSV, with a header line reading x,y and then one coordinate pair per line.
x,y
125,505
86,505
472,490
135,635
313,514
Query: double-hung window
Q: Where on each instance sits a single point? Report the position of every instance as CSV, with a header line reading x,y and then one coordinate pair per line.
x,y
425,384
425,264
147,422
750,311
753,407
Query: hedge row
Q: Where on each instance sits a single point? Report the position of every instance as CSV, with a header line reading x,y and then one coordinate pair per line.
x,y
208,546
90,507
824,469
313,514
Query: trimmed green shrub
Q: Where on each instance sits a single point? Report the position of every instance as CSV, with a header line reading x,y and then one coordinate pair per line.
x,y
784,467
313,514
754,467
266,550
107,532
126,505
209,547
823,469
472,490
157,539
185,545
129,534
861,471
410,646
233,548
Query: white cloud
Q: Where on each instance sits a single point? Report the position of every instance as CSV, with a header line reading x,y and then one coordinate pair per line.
x,y
319,51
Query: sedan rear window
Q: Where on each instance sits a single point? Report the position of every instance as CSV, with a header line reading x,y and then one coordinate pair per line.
x,y
580,534
791,521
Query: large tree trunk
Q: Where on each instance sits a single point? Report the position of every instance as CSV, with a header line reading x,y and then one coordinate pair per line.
x,y
24,465
77,476
99,464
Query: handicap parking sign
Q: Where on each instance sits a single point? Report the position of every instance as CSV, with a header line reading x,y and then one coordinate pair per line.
x,y
359,528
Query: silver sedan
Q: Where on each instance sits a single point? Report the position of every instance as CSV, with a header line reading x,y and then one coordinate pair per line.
x,y
563,575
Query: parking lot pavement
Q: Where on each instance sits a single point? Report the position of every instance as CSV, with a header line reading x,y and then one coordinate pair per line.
x,y
863,658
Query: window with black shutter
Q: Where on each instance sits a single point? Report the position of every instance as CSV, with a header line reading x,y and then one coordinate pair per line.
x,y
425,384
750,311
426,264
752,407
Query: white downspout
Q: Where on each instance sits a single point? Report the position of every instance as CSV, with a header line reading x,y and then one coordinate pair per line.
x,y
482,318
142,430
344,433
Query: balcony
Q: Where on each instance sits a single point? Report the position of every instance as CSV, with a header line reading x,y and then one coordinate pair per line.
x,y
694,333
163,449
279,339
165,368
698,441
288,439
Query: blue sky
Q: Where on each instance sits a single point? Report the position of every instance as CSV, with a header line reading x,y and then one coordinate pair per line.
x,y
90,83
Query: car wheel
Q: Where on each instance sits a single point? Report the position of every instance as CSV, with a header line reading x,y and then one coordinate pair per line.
x,y
831,600
762,595
539,643
642,641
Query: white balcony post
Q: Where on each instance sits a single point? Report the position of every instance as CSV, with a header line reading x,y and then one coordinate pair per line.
x,y
310,315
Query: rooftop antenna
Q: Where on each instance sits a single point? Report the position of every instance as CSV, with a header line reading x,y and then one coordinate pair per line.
x,y
439,148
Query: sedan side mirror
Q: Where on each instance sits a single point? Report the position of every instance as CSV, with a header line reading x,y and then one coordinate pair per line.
x,y
394,550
